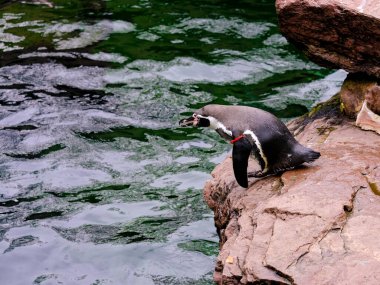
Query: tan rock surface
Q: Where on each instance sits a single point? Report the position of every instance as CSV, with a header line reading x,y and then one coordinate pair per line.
x,y
355,90
360,99
335,33
373,99
368,120
315,225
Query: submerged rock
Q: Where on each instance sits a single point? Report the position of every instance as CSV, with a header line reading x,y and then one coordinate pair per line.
x,y
314,225
335,33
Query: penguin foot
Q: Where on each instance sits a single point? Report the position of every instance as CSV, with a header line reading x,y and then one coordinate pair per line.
x,y
258,174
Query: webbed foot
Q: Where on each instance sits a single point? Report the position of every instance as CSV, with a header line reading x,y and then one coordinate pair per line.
x,y
258,174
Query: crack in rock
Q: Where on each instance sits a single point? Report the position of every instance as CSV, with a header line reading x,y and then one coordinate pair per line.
x,y
283,214
281,274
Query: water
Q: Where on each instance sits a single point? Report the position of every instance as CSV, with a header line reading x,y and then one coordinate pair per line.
x,y
99,185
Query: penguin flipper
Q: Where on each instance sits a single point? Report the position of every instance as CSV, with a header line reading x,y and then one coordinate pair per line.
x,y
240,155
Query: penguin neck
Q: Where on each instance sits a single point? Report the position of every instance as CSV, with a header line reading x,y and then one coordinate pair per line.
x,y
219,127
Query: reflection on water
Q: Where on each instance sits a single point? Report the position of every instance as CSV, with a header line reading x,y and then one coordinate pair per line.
x,y
99,185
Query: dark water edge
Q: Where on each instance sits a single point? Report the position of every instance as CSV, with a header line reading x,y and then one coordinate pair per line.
x,y
98,184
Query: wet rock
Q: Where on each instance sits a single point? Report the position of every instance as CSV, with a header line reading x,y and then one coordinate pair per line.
x,y
313,225
338,34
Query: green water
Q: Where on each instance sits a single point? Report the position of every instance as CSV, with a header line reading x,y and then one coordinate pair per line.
x,y
98,184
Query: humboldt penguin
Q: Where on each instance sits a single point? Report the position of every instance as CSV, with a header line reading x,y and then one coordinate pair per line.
x,y
254,132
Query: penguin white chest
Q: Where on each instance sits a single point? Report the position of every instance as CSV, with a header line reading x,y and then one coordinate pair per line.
x,y
217,125
256,141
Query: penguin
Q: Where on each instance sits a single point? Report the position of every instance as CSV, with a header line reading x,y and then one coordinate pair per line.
x,y
253,131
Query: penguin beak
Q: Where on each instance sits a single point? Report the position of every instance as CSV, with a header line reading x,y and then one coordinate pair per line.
x,y
187,122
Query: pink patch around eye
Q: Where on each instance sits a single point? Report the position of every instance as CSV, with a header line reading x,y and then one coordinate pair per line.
x,y
196,120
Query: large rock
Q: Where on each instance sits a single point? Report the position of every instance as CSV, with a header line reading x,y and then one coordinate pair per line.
x,y
314,225
335,33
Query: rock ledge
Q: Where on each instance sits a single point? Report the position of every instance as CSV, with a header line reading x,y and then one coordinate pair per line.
x,y
315,225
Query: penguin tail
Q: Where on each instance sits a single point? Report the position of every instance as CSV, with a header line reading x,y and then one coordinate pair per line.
x,y
300,155
311,155
304,154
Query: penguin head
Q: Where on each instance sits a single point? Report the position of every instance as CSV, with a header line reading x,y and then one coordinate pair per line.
x,y
200,118
212,116
197,120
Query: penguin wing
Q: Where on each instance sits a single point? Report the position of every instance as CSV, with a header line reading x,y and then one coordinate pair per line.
x,y
240,155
